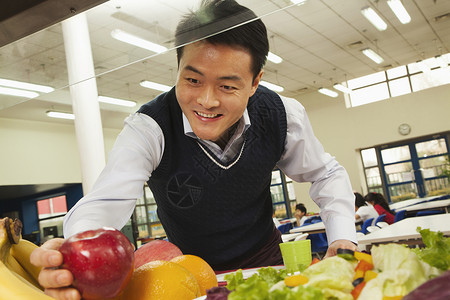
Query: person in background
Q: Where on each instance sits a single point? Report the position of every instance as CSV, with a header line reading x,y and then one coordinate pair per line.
x,y
381,206
299,214
363,211
207,149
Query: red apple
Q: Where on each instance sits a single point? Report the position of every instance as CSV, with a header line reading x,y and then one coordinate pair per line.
x,y
101,261
155,250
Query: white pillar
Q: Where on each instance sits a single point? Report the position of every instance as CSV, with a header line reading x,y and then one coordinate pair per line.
x,y
83,90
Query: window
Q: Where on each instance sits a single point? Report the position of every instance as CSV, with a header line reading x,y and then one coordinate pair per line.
x,y
408,169
147,221
399,81
283,195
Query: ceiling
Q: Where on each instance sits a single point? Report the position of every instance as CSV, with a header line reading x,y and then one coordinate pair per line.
x,y
320,42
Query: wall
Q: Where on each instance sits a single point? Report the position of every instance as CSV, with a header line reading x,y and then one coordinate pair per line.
x,y
343,131
41,152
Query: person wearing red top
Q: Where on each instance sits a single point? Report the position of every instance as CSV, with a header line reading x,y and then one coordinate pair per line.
x,y
381,206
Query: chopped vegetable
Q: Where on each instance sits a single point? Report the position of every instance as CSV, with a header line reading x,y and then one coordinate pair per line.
x,y
369,275
346,254
434,289
357,281
364,256
315,260
294,280
257,287
358,289
392,297
361,269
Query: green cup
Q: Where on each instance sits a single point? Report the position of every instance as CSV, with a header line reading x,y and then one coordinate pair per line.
x,y
296,255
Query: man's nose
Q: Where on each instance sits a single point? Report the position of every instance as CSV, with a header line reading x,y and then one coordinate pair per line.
x,y
208,98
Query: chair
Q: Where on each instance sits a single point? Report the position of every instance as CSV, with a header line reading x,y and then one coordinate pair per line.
x,y
372,228
301,237
312,220
380,218
429,212
366,224
382,224
284,228
400,215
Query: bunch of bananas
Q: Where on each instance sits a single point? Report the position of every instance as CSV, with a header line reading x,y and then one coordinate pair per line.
x,y
18,277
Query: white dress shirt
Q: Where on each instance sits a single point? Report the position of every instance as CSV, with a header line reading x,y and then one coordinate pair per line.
x,y
139,148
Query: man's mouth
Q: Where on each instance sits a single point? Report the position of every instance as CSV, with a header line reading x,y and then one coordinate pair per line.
x,y
209,116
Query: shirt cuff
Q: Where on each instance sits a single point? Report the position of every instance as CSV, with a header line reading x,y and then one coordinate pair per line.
x,y
340,228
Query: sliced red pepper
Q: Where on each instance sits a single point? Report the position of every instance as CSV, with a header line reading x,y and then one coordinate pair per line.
x,y
315,261
357,290
361,268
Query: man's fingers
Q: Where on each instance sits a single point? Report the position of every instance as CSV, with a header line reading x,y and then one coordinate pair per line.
x,y
55,278
47,255
65,293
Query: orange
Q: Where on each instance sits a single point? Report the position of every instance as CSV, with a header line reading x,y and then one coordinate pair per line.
x,y
161,280
202,271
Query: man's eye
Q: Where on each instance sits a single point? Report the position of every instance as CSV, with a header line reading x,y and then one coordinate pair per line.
x,y
192,80
228,87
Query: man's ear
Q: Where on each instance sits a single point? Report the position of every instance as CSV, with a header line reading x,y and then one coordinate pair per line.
x,y
256,82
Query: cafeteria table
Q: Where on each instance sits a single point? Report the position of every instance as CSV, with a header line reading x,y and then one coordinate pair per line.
x,y
404,231
310,229
438,204
315,228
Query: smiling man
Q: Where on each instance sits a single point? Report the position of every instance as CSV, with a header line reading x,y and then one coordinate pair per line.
x,y
207,149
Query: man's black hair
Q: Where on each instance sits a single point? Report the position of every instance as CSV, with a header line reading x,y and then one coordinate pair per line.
x,y
225,22
301,207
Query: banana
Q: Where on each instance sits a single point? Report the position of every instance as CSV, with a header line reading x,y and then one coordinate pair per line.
x,y
12,284
15,266
21,252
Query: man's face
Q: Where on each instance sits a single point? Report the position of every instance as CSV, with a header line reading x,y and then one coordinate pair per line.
x,y
213,86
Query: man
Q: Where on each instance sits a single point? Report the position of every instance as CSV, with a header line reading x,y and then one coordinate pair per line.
x,y
207,149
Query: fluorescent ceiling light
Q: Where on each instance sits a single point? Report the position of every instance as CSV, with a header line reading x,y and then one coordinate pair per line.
x,y
400,11
298,1
342,88
274,58
137,41
18,93
328,92
116,101
422,66
155,86
272,86
60,115
26,86
372,55
441,61
374,18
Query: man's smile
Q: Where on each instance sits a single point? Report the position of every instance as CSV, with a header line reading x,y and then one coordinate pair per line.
x,y
209,116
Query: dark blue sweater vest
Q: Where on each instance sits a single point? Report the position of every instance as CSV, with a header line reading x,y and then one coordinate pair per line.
x,y
218,214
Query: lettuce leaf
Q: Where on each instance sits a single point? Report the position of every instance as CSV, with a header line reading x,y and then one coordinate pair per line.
x,y
437,250
400,272
332,274
267,284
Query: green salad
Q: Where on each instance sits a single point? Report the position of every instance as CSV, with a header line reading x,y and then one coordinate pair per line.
x,y
396,271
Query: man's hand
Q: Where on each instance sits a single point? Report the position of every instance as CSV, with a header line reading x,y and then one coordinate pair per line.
x,y
343,244
55,281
